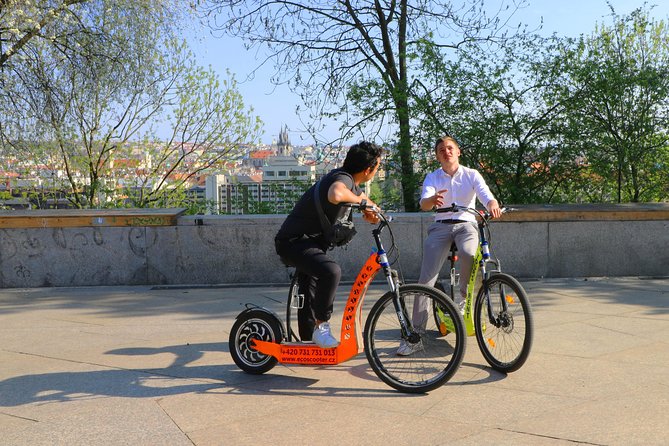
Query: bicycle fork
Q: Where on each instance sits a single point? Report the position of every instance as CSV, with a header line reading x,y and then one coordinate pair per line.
x,y
392,278
499,318
495,319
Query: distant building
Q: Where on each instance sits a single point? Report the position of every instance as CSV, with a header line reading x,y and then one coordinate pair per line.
x,y
257,158
282,181
285,166
282,177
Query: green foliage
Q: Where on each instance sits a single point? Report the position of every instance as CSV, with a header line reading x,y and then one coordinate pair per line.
x,y
555,120
616,86
355,62
85,84
387,193
493,104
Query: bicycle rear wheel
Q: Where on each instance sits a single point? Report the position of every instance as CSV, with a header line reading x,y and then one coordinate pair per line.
x,y
505,336
437,358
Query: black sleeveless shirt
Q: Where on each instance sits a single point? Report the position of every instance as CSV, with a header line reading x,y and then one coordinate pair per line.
x,y
303,219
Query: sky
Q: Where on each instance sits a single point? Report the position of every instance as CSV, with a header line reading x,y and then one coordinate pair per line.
x,y
275,105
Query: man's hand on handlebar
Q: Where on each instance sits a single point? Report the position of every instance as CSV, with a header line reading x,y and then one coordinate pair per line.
x,y
370,212
494,209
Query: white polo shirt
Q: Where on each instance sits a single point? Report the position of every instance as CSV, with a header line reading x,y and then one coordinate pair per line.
x,y
463,189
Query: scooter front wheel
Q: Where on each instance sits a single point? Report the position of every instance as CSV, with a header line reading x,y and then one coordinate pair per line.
x,y
250,325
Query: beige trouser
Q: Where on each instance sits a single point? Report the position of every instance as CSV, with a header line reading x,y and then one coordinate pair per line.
x,y
435,251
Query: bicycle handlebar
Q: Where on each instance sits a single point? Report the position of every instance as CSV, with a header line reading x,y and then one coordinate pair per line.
x,y
367,207
484,214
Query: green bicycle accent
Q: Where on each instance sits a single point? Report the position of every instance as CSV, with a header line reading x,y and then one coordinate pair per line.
x,y
468,314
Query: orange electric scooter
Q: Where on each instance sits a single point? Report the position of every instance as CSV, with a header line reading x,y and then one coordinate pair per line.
x,y
258,339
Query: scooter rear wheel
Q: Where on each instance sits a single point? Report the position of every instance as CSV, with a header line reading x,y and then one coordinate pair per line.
x,y
251,325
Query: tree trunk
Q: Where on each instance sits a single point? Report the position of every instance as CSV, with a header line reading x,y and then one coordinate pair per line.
x,y
406,159
402,107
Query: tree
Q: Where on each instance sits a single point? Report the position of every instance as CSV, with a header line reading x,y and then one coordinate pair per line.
x,y
352,60
209,127
21,22
617,84
84,101
495,104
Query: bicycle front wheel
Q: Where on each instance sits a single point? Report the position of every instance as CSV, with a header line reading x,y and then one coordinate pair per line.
x,y
504,328
433,358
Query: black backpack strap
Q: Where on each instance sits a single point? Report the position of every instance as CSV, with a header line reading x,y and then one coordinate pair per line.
x,y
325,223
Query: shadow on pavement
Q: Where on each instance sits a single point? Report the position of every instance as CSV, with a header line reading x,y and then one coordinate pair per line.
x,y
180,378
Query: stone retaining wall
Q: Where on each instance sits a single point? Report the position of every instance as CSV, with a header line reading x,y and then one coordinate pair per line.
x,y
535,241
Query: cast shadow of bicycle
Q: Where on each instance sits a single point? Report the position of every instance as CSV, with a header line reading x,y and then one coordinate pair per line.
x,y
181,377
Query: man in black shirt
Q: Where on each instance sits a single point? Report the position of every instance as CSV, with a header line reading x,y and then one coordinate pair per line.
x,y
300,242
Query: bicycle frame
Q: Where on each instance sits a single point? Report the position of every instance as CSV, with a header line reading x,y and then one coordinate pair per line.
x,y
351,335
481,258
503,346
468,316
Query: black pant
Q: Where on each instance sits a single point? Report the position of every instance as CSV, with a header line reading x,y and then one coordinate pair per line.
x,y
318,275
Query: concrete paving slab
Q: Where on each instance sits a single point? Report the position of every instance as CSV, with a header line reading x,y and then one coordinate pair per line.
x,y
647,356
147,366
617,419
491,436
100,421
338,423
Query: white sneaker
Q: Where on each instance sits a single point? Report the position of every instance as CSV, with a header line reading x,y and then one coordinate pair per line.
x,y
407,348
322,336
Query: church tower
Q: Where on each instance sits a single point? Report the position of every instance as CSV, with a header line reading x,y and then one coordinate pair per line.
x,y
283,146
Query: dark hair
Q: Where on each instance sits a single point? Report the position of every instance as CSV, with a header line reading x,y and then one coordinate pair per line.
x,y
362,156
443,139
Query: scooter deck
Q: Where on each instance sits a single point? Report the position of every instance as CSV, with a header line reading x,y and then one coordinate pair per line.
x,y
304,353
351,338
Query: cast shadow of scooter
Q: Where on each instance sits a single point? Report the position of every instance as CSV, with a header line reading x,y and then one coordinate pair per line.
x,y
181,376
116,381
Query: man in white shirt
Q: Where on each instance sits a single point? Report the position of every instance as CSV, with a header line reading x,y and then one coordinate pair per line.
x,y
451,183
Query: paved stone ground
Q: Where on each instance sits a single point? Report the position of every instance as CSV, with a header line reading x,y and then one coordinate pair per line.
x,y
143,366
